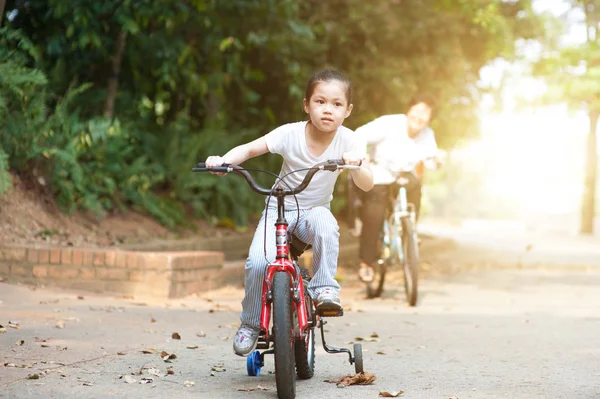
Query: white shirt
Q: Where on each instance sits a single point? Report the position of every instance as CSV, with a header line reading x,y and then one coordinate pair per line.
x,y
289,141
394,151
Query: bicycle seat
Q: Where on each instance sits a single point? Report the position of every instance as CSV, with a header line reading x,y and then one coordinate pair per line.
x,y
298,247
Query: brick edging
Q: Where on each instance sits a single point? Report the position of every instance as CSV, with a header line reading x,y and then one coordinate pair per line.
x,y
167,274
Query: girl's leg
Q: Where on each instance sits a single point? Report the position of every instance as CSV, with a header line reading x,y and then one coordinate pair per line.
x,y
318,227
256,266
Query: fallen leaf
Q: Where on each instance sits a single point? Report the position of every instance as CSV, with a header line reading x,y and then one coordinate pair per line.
x,y
20,342
170,371
363,378
176,336
45,345
155,372
153,320
2,329
146,380
218,369
9,365
189,383
381,353
14,324
60,324
88,384
192,346
129,379
149,351
374,335
201,334
120,353
258,388
139,303
33,377
81,298
167,357
38,339
391,394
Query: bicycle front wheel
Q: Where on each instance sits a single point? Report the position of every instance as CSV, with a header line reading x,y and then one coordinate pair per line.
x,y
283,334
411,261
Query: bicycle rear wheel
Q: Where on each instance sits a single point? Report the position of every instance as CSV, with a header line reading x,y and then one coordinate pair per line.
x,y
411,261
375,287
283,334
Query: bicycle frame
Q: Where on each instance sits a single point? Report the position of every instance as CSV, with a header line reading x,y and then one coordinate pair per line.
x,y
283,264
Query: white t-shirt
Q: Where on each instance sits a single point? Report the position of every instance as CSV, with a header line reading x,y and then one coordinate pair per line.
x,y
289,141
394,150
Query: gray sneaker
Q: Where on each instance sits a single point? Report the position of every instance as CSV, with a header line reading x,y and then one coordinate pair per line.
x,y
245,340
328,299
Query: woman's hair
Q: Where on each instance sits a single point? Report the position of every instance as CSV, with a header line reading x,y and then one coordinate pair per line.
x,y
327,75
423,97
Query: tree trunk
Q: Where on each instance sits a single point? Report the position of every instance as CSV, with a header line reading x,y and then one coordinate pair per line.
x,y
2,5
113,81
588,208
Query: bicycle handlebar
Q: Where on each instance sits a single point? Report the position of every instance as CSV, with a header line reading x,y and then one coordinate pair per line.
x,y
331,165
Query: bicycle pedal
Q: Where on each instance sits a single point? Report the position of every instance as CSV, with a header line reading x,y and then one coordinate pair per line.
x,y
262,342
330,312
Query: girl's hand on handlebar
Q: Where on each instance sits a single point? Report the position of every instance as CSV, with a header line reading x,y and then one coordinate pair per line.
x,y
352,158
213,162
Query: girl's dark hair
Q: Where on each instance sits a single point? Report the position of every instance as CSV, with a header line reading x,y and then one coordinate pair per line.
x,y
327,75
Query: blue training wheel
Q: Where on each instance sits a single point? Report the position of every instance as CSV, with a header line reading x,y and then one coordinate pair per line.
x,y
253,364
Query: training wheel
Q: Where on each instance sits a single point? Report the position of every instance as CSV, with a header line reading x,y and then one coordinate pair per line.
x,y
253,364
358,358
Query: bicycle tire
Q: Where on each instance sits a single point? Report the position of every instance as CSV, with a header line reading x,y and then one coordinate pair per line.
x,y
410,265
375,287
305,349
283,335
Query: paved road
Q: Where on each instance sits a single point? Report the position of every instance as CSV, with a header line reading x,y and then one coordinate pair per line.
x,y
478,334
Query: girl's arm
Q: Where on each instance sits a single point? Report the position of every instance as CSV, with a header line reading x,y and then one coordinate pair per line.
x,y
239,154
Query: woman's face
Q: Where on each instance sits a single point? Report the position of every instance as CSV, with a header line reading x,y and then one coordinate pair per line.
x,y
418,117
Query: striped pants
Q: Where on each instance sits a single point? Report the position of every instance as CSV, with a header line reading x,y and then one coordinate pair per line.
x,y
317,227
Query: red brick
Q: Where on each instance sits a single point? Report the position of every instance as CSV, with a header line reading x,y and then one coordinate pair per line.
x,y
66,256
87,273
118,274
55,256
132,259
32,255
44,256
88,258
18,270
40,271
63,272
98,258
136,275
110,258
4,269
121,259
77,257
14,254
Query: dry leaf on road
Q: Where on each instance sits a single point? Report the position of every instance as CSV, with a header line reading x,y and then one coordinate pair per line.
x,y
201,334
258,388
176,336
60,324
155,372
192,346
189,383
129,379
364,378
391,394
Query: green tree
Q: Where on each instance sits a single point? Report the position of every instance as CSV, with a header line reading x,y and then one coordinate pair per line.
x,y
573,75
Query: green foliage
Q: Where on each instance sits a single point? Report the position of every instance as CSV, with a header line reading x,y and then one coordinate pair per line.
x,y
199,77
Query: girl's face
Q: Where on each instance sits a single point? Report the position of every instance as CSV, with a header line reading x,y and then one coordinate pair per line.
x,y
328,106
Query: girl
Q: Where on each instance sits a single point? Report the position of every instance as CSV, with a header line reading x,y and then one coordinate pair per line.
x,y
328,102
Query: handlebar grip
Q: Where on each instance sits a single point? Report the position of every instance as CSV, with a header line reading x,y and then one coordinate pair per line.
x,y
201,167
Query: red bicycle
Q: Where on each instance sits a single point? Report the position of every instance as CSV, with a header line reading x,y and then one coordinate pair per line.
x,y
284,298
